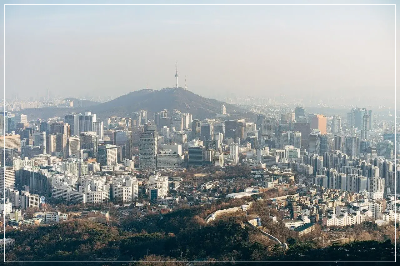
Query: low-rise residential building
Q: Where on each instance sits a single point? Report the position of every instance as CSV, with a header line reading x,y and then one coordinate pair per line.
x,y
345,219
124,188
157,186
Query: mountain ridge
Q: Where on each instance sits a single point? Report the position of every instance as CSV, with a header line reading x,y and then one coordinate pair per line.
x,y
167,98
151,100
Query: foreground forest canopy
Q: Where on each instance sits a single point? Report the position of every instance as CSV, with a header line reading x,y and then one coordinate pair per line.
x,y
182,235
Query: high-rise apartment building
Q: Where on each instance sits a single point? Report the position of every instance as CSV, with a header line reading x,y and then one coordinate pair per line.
x,y
365,126
60,127
89,142
314,143
352,146
86,122
318,122
61,145
44,126
98,127
143,117
40,140
305,130
3,120
23,119
74,147
81,123
107,155
195,156
230,129
196,129
336,126
148,149
299,113
7,179
355,118
234,152
295,139
177,123
73,121
51,143
240,129
187,120
206,131
266,128
338,143
324,144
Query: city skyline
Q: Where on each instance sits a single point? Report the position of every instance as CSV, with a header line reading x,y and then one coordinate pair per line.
x,y
199,133
320,52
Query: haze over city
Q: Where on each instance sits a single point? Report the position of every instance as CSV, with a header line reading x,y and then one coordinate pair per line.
x,y
195,134
292,52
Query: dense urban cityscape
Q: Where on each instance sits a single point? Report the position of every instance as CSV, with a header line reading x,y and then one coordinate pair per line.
x,y
217,133
323,180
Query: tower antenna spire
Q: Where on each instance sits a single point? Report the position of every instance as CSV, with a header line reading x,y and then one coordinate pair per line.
x,y
185,83
176,74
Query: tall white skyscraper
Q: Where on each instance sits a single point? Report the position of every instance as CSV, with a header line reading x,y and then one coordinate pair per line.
x,y
234,152
98,127
187,120
7,179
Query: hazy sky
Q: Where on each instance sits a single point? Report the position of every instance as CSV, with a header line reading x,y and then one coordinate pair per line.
x,y
345,53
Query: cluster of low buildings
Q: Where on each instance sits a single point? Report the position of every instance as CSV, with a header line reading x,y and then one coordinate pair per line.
x,y
332,207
